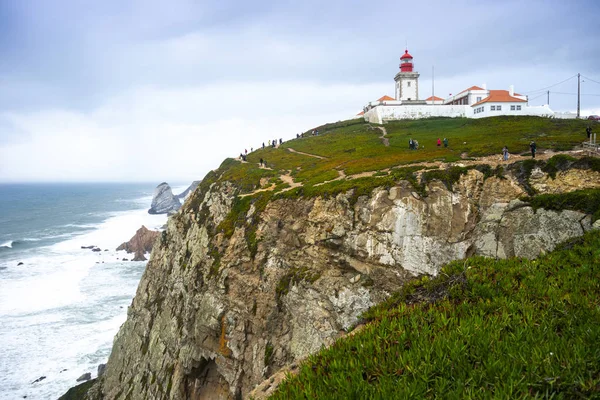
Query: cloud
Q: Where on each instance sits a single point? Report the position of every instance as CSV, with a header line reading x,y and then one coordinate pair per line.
x,y
154,134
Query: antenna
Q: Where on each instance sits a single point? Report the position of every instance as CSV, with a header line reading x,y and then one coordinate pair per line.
x,y
432,85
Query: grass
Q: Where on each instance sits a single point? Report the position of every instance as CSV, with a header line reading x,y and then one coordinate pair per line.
x,y
354,147
482,329
586,201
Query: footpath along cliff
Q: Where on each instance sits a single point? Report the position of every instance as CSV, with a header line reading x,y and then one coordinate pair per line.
x,y
265,264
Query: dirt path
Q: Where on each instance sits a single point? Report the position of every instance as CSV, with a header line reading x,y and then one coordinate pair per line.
x,y
384,140
341,175
493,161
306,154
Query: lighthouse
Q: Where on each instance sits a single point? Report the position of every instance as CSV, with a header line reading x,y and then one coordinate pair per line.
x,y
407,81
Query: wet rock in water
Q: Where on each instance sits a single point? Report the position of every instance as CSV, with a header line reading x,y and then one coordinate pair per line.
x,y
63,371
101,369
88,247
19,264
105,249
125,259
139,257
85,377
164,201
140,243
41,378
96,249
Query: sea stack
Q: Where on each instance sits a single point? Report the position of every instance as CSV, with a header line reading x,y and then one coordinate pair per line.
x,y
163,201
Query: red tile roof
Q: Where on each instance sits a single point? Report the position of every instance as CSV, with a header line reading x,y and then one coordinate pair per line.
x,y
386,98
471,88
433,98
361,113
500,96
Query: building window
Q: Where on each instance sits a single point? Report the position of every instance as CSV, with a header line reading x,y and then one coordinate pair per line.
x,y
519,108
493,108
478,99
408,84
498,108
512,108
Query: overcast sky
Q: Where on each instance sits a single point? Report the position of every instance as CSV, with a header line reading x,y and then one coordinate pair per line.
x,y
146,90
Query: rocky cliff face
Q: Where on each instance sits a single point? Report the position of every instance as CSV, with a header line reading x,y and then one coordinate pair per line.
x,y
216,314
163,200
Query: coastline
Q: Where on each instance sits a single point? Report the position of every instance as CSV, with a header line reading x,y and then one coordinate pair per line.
x,y
63,306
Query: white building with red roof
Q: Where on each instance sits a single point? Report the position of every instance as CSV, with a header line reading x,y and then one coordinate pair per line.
x,y
434,100
473,102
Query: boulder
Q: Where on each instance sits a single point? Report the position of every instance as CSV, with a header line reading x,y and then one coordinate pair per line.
x,y
101,369
140,243
163,200
41,378
85,377
19,264
96,249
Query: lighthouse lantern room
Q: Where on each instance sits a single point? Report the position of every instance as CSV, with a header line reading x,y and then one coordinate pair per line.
x,y
407,80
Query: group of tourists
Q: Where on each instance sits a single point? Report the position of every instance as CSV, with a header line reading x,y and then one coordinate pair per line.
x,y
414,144
272,143
532,149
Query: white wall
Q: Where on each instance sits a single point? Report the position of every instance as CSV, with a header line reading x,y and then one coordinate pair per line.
x,y
409,92
565,115
381,114
384,113
540,111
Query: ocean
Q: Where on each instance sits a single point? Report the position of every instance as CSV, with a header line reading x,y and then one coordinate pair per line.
x,y
61,308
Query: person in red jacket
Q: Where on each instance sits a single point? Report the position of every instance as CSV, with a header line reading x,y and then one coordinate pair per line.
x,y
439,142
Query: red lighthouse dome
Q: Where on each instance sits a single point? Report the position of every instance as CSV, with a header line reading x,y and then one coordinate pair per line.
x,y
406,64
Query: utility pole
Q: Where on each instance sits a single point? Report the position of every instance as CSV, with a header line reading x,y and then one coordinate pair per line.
x,y
432,85
578,94
548,102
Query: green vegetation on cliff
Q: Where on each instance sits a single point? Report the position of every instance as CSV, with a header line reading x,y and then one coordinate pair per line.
x,y
355,147
483,328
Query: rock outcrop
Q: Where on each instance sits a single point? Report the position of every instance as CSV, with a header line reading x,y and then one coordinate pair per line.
x,y
219,310
190,189
140,244
163,200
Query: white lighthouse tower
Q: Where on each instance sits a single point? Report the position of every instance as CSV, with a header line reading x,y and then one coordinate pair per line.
x,y
407,81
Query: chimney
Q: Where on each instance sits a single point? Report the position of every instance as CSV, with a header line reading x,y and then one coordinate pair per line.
x,y
511,90
484,86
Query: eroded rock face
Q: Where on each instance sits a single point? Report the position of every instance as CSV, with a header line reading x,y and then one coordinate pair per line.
x,y
141,243
163,200
564,181
212,317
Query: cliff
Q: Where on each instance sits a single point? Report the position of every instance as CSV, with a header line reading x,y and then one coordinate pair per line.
x,y
238,287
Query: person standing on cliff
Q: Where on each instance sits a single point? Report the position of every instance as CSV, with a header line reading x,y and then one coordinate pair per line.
x,y
439,142
533,148
445,142
588,130
410,144
505,153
